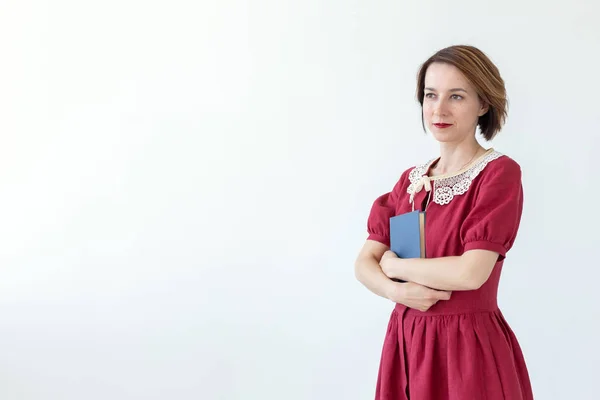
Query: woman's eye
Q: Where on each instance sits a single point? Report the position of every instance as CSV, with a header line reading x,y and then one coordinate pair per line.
x,y
456,97
429,95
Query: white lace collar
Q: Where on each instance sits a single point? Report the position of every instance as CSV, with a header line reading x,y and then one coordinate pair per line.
x,y
445,187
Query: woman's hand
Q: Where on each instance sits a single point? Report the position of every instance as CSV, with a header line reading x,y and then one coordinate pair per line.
x,y
389,263
410,294
417,296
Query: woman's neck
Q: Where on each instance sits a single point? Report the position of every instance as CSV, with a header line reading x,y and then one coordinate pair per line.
x,y
454,157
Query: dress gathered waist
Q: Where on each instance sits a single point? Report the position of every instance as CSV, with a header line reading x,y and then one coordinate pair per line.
x,y
443,311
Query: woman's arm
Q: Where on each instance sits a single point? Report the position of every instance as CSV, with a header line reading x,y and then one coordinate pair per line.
x,y
467,272
368,272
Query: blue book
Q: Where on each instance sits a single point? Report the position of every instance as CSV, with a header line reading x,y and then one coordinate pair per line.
x,y
407,234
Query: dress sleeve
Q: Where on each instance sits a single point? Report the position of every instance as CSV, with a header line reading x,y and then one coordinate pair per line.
x,y
493,222
382,209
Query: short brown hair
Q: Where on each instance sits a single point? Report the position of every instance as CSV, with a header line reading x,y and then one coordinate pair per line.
x,y
482,74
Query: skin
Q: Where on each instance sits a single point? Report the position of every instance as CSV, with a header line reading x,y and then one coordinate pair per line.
x,y
449,98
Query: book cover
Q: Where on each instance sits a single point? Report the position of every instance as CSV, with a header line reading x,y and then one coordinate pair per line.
x,y
407,234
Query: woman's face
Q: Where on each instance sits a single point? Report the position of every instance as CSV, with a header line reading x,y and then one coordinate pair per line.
x,y
451,107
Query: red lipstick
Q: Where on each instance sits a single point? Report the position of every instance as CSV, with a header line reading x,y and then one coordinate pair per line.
x,y
441,126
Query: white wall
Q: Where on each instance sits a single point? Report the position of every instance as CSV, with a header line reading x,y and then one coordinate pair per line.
x,y
184,188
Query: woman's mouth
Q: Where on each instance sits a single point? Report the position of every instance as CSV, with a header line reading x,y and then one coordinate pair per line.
x,y
441,126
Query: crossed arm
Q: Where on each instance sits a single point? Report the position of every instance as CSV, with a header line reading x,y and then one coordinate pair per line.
x,y
467,272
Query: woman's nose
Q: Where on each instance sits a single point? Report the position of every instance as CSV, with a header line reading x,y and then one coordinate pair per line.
x,y
440,108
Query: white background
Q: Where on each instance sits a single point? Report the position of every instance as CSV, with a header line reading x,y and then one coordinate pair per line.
x,y
184,187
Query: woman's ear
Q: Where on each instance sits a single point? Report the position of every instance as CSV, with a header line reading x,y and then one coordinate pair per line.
x,y
483,108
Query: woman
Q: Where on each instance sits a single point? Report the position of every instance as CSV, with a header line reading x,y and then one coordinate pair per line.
x,y
446,338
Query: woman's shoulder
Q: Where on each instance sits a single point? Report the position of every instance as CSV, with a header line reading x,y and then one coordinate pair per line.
x,y
500,165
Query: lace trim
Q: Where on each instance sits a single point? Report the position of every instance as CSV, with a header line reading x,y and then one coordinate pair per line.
x,y
444,189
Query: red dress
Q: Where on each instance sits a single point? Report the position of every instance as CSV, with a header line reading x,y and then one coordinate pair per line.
x,y
463,348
